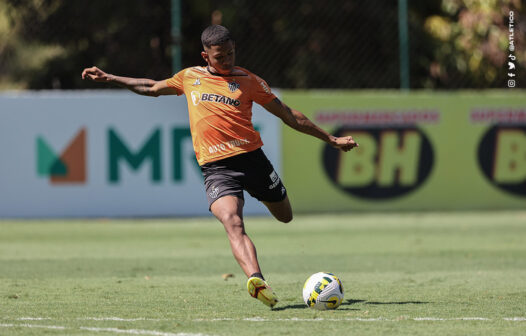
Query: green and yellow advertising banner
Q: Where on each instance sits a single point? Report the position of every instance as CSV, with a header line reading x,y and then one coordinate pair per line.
x,y
418,151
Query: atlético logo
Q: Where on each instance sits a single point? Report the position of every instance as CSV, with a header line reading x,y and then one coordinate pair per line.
x,y
214,193
233,86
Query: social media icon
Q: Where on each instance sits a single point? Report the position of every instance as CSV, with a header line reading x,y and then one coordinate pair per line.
x,y
511,83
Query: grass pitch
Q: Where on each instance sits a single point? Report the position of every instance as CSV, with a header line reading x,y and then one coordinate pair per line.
x,y
440,274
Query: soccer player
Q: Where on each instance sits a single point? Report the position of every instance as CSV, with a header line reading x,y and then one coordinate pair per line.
x,y
227,146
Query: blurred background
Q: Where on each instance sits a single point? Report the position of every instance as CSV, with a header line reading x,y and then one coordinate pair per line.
x,y
432,90
437,44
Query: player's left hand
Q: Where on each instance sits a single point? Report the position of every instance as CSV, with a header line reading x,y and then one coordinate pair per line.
x,y
95,74
344,143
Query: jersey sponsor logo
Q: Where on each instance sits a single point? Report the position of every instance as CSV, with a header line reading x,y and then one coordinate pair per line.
x,y
196,97
233,86
227,145
216,98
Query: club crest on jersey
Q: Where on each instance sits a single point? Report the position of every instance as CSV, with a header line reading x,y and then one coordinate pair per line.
x,y
233,86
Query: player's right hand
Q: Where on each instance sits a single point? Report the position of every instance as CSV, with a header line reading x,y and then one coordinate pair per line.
x,y
344,143
95,74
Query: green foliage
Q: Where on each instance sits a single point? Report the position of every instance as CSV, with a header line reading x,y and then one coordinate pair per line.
x,y
307,44
19,59
471,40
165,276
51,41
45,44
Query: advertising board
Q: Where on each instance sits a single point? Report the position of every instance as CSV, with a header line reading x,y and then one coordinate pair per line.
x,y
418,151
106,153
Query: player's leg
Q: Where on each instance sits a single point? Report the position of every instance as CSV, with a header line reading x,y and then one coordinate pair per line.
x,y
264,184
229,210
281,210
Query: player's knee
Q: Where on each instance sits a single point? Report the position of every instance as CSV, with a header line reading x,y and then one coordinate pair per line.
x,y
233,223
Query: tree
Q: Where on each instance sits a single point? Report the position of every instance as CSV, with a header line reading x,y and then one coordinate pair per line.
x,y
50,41
471,44
45,44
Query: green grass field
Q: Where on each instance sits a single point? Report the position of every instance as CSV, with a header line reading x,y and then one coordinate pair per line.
x,y
436,273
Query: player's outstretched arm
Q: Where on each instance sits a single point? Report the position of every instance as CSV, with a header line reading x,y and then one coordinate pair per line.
x,y
142,86
301,123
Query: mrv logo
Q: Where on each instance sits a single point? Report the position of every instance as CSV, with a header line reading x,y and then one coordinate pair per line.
x,y
149,152
392,159
502,150
70,166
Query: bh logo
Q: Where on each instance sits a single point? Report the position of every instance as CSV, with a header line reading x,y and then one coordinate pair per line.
x,y
502,157
390,162
502,149
69,167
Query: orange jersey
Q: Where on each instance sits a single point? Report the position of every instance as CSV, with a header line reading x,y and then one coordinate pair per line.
x,y
220,109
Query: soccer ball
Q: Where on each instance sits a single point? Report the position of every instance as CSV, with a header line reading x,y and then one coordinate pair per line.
x,y
323,291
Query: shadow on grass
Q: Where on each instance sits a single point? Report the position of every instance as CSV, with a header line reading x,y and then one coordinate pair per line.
x,y
303,306
296,306
351,302
396,302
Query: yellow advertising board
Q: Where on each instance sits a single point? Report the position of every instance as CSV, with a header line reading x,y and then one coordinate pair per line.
x,y
418,151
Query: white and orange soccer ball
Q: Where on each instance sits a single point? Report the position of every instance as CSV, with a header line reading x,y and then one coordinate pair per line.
x,y
323,291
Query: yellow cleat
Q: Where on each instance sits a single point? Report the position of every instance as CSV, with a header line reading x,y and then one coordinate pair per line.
x,y
259,289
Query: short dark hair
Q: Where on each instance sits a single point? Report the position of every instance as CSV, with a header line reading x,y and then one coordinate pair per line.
x,y
215,35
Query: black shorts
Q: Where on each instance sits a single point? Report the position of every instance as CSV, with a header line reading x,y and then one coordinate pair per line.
x,y
250,171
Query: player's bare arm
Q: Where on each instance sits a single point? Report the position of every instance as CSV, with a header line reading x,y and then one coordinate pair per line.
x,y
298,121
142,86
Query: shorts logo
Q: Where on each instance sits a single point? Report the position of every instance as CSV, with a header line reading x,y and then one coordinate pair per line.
x,y
233,86
196,97
214,193
275,179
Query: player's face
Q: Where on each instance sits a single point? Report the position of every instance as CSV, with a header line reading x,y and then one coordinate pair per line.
x,y
220,57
